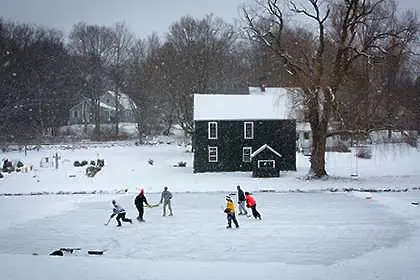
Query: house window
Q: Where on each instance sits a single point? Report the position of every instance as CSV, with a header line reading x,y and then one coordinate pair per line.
x,y
248,130
212,130
75,114
246,154
306,135
213,154
267,163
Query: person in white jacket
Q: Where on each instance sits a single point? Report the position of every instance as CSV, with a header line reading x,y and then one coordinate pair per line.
x,y
120,213
166,197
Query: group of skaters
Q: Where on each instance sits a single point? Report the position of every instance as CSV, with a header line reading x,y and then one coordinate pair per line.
x,y
244,199
140,202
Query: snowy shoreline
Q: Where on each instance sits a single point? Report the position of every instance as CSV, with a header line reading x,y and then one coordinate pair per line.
x,y
125,191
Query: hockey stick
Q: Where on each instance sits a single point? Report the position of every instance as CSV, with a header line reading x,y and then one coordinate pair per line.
x,y
153,205
110,217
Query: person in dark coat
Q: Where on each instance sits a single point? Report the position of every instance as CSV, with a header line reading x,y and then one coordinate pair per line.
x,y
140,201
241,201
120,213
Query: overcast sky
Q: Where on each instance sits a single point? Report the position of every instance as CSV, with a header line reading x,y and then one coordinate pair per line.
x,y
143,17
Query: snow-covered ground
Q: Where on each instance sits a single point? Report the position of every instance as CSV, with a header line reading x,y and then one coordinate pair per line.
x,y
310,229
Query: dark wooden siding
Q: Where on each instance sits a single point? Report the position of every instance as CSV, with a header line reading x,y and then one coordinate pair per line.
x,y
278,134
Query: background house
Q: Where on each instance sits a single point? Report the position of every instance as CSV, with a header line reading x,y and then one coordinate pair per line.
x,y
83,112
303,137
230,128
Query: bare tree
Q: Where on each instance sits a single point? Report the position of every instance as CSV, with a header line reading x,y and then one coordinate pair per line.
x,y
146,84
34,78
95,44
135,65
122,45
416,100
198,47
345,31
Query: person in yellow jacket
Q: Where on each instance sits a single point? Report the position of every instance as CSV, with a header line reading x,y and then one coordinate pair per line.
x,y
230,213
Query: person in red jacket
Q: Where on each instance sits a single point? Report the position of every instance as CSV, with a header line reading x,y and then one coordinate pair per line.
x,y
251,203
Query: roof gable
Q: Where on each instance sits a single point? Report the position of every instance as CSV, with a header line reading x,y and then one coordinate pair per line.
x,y
262,148
126,102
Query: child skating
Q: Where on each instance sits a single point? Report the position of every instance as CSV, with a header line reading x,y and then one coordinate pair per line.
x,y
120,213
251,203
139,202
166,197
241,201
230,213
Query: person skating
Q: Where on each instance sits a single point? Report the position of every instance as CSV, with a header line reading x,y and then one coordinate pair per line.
x,y
120,213
166,197
251,203
139,202
241,201
230,213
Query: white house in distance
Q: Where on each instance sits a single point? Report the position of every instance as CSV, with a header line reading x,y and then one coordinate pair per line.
x,y
83,112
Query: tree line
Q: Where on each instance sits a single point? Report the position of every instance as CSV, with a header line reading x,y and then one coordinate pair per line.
x,y
355,63
43,74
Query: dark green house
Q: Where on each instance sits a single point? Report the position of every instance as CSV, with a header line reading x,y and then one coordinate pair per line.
x,y
229,129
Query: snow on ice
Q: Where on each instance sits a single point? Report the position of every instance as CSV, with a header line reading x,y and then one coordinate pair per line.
x,y
346,227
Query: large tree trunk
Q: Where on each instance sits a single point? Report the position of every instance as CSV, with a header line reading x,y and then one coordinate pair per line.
x,y
117,112
319,114
319,138
97,130
86,121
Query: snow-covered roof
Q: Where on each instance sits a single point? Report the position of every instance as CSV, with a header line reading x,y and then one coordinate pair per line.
x,y
125,100
242,107
106,106
268,91
262,148
303,126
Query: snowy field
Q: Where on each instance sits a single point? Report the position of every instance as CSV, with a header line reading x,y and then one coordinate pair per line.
x,y
309,230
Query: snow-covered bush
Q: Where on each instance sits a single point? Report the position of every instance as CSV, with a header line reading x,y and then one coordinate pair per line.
x,y
339,147
364,152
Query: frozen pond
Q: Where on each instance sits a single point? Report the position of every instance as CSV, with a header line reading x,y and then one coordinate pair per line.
x,y
297,228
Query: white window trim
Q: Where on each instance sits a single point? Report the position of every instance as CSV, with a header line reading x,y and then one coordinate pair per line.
x,y
209,130
252,130
243,154
267,160
215,150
